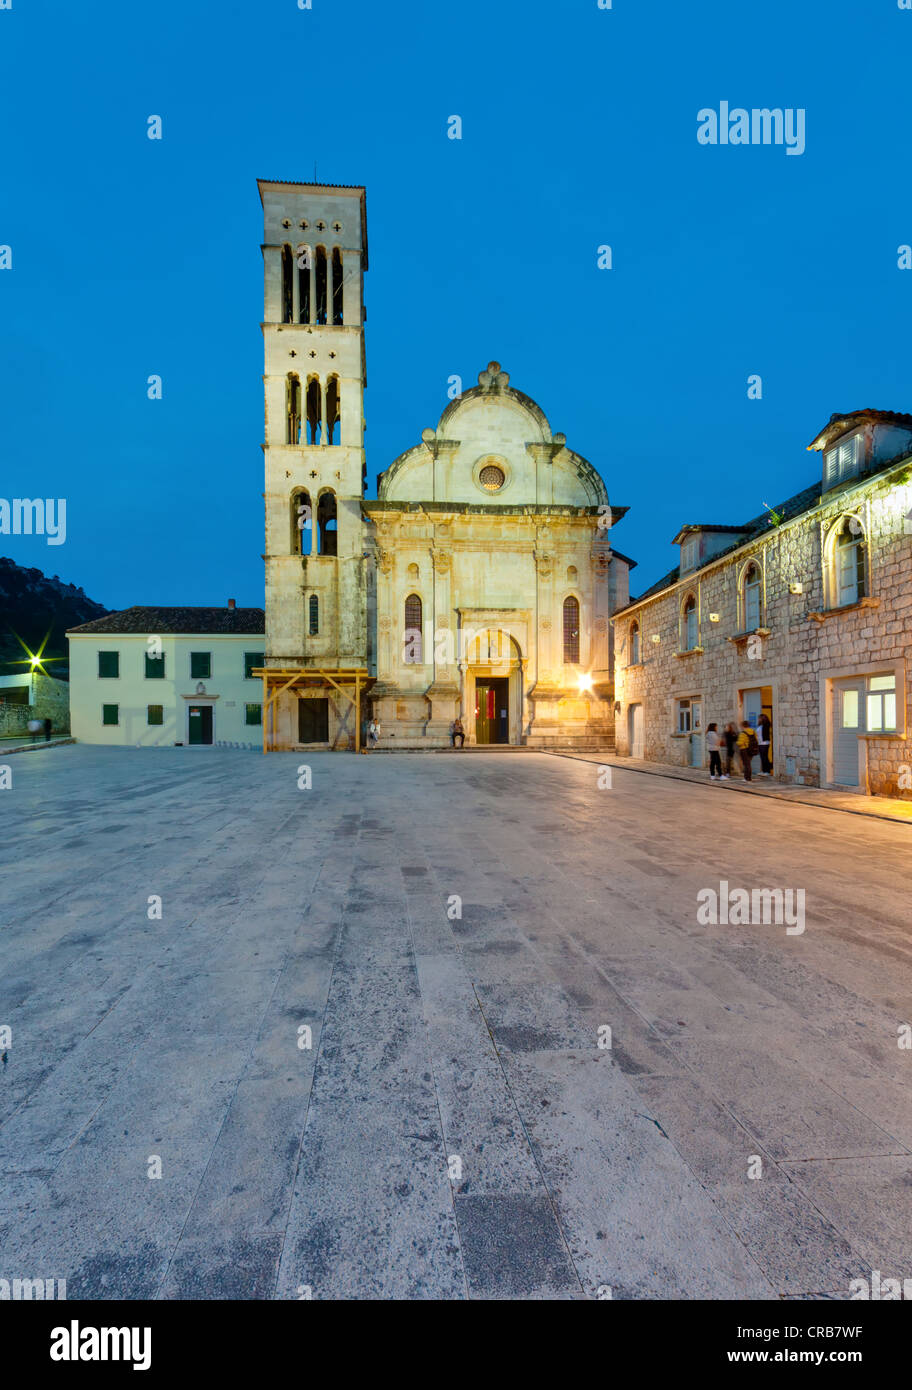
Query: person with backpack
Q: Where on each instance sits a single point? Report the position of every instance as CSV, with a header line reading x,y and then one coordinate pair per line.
x,y
713,742
747,747
729,739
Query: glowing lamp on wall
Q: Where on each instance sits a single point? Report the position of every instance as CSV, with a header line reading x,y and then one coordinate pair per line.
x,y
656,637
714,617
584,683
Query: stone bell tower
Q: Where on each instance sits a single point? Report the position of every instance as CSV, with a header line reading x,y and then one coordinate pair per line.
x,y
315,255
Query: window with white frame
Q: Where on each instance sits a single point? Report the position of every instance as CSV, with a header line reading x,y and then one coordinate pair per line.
x,y
634,644
847,583
689,624
690,553
842,461
881,706
750,598
688,714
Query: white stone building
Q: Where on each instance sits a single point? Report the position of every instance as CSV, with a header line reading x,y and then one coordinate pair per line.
x,y
481,581
804,612
165,676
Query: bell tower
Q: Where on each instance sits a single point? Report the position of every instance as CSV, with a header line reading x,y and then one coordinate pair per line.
x,y
314,255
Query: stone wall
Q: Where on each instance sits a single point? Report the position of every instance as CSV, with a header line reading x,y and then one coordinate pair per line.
x,y
801,646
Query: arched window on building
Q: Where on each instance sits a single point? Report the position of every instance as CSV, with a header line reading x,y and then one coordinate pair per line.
x,y
292,408
314,412
571,631
304,263
411,639
848,563
287,284
333,412
634,644
572,574
689,624
320,284
326,523
301,523
751,590
337,286
313,615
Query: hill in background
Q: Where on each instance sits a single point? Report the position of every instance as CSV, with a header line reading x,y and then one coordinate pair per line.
x,y
31,604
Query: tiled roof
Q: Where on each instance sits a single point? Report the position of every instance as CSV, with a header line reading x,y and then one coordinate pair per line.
x,y
246,621
838,424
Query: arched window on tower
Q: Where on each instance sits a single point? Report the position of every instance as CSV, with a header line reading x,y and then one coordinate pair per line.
x,y
571,631
304,255
301,524
321,286
333,412
292,408
314,412
411,644
313,615
326,523
287,284
337,285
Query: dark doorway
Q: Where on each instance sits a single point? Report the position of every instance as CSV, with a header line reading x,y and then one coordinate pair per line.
x,y
200,723
492,710
313,721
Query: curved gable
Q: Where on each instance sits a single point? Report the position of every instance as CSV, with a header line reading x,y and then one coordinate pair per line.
x,y
493,446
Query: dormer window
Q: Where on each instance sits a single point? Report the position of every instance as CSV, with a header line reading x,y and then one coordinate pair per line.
x,y
843,461
690,553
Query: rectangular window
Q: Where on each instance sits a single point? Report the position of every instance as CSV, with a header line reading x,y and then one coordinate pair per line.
x,y
684,716
252,659
155,667
842,461
690,552
253,714
108,664
155,714
850,709
881,704
109,714
200,666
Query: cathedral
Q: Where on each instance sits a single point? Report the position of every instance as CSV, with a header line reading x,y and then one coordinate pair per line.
x,y
481,581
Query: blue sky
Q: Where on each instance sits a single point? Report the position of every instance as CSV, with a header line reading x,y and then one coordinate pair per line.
x,y
133,257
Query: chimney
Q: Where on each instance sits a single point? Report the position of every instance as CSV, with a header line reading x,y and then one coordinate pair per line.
x,y
231,605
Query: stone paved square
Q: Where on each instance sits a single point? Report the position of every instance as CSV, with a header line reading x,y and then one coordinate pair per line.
x,y
361,1044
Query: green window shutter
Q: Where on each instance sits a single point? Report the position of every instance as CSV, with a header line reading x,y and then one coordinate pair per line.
x,y
109,664
155,714
253,714
109,714
252,659
155,667
200,666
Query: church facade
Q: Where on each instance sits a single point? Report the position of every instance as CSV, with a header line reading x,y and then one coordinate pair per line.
x,y
479,584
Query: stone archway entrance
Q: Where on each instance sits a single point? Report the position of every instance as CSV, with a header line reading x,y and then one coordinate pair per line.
x,y
493,688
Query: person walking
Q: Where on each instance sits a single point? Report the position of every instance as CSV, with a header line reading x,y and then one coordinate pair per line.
x,y
764,739
373,734
458,732
712,746
747,747
729,739
34,728
47,730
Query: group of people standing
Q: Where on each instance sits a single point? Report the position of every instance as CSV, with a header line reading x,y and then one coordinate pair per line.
x,y
746,741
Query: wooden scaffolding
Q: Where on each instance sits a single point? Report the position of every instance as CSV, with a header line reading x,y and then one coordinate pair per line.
x,y
277,680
